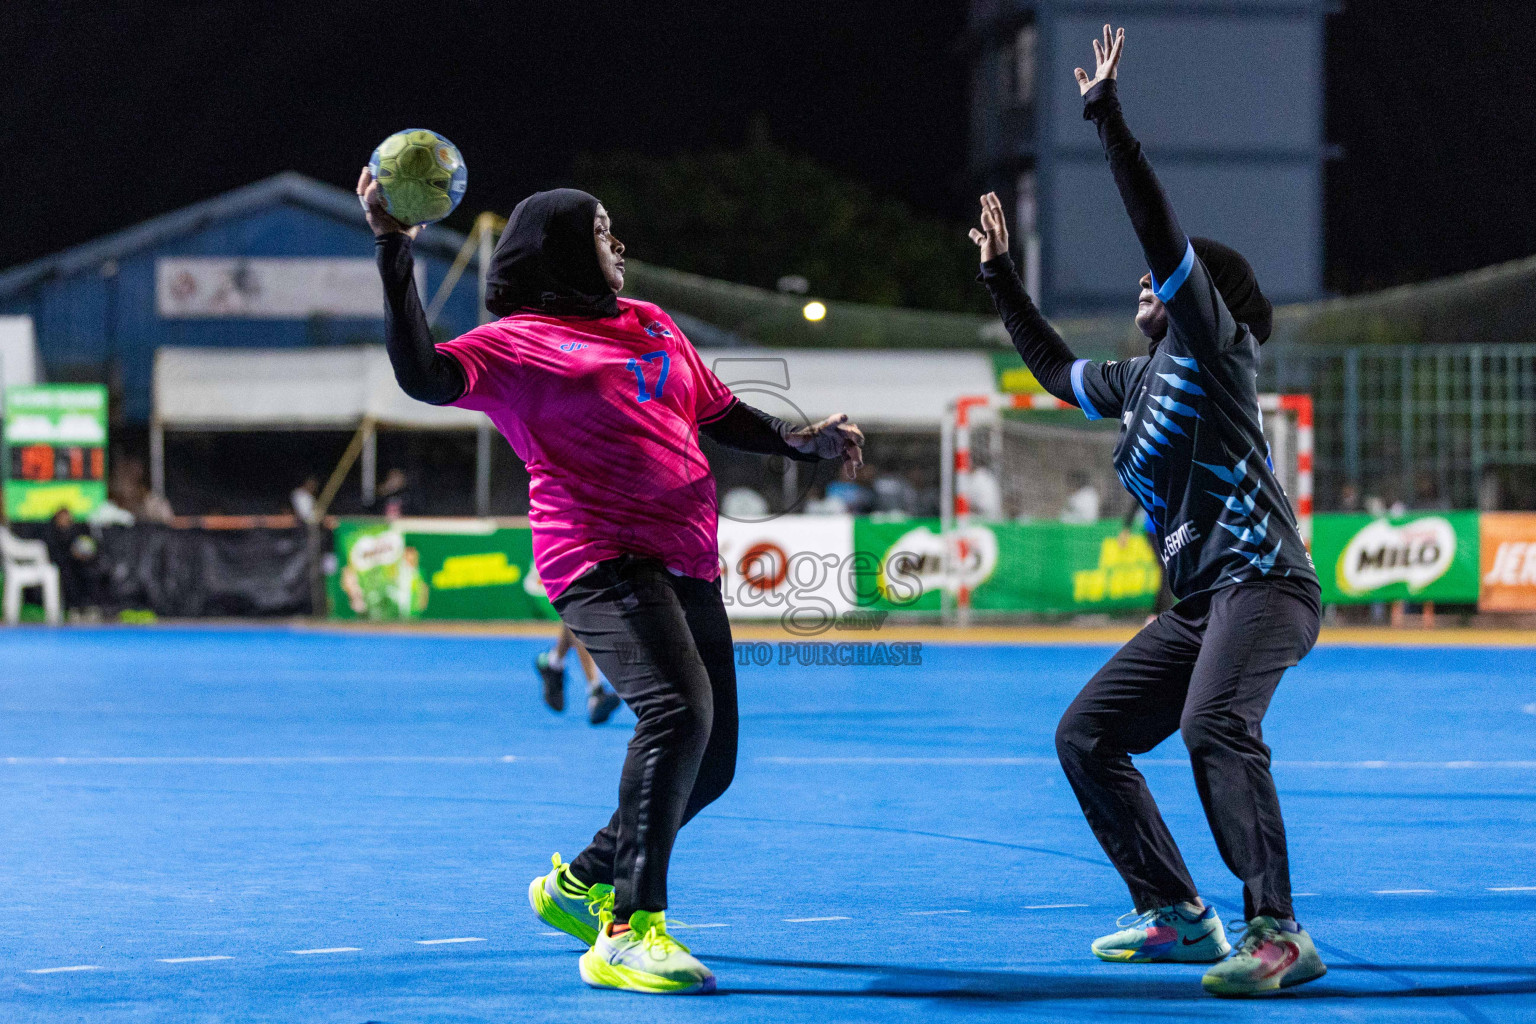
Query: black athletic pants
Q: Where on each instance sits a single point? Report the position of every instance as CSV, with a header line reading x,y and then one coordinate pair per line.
x,y
1207,667
664,643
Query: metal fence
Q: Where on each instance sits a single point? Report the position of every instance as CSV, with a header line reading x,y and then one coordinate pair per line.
x,y
1430,426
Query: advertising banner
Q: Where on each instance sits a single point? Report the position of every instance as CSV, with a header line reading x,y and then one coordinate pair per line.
x,y
800,565
1508,562
825,571
435,569
1033,567
477,569
1414,557
55,450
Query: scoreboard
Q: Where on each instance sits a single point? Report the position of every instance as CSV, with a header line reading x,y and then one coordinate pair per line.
x,y
55,441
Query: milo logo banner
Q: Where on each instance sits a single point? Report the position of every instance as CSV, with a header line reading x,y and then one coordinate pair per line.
x,y
1417,557
435,569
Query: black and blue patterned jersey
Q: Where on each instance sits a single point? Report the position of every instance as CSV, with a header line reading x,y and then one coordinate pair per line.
x,y
1192,448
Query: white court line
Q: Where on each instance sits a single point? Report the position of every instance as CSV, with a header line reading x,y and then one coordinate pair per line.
x,y
446,942
1512,888
808,920
679,927
1402,892
1303,894
59,970
556,933
362,759
329,949
193,959
1054,906
934,913
1163,762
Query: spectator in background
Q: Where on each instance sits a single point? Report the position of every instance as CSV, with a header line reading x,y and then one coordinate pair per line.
x,y
111,512
303,499
925,495
743,503
894,493
395,497
1426,494
72,548
986,495
855,495
1083,502
134,495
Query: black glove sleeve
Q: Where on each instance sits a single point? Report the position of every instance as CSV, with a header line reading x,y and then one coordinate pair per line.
x,y
423,372
1041,348
1157,226
752,430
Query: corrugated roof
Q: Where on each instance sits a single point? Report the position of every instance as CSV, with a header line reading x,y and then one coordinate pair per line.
x,y
287,187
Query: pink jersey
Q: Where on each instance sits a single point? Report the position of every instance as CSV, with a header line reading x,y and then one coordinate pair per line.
x,y
605,412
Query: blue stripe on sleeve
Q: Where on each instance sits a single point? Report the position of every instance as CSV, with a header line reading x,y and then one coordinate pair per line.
x,y
1169,288
1083,401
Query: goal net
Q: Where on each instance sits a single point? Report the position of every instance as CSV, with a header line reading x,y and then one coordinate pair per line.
x,y
1001,467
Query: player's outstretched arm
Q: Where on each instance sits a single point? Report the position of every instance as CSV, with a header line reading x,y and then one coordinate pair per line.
x,y
1041,348
423,372
1157,226
751,430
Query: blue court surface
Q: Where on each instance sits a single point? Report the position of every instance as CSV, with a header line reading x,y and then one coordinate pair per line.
x,y
291,826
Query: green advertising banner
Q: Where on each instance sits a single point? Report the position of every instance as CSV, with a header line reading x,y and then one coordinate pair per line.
x,y
435,569
55,450
1421,556
479,569
1033,567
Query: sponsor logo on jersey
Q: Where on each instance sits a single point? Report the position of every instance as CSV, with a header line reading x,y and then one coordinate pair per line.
x,y
573,346
1416,553
657,330
1178,539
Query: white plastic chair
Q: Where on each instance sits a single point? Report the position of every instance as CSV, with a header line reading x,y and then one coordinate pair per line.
x,y
26,565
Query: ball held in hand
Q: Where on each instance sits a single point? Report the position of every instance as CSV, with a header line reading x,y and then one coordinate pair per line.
x,y
421,175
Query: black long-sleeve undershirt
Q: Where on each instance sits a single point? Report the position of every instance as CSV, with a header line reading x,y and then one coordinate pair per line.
x,y
423,372
1157,227
1042,349
428,375
752,430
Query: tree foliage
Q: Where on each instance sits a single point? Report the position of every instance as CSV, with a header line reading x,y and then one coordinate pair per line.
x,y
756,214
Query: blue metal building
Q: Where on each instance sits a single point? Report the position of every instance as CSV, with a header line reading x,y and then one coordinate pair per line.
x,y
1227,98
102,308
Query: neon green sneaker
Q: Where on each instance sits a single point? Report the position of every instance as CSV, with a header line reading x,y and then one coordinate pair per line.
x,y
564,903
1271,957
643,959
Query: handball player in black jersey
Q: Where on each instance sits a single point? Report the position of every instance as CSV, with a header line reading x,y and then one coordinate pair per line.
x,y
1192,452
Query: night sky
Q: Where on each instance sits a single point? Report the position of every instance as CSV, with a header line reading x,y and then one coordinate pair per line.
x,y
111,112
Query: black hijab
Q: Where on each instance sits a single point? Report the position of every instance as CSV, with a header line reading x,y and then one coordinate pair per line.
x,y
546,260
1239,288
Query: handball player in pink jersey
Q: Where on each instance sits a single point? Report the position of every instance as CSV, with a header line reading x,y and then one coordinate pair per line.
x,y
604,399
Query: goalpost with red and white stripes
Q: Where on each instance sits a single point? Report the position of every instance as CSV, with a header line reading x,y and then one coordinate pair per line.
x,y
1287,428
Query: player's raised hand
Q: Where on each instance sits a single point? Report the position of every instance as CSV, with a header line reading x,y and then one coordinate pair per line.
x,y
992,237
372,198
1106,59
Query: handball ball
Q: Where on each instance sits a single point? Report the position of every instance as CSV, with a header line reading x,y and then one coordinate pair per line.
x,y
421,175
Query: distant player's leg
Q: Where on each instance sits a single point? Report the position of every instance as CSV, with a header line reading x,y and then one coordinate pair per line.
x,y
550,665
602,702
1130,706
1255,633
630,614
